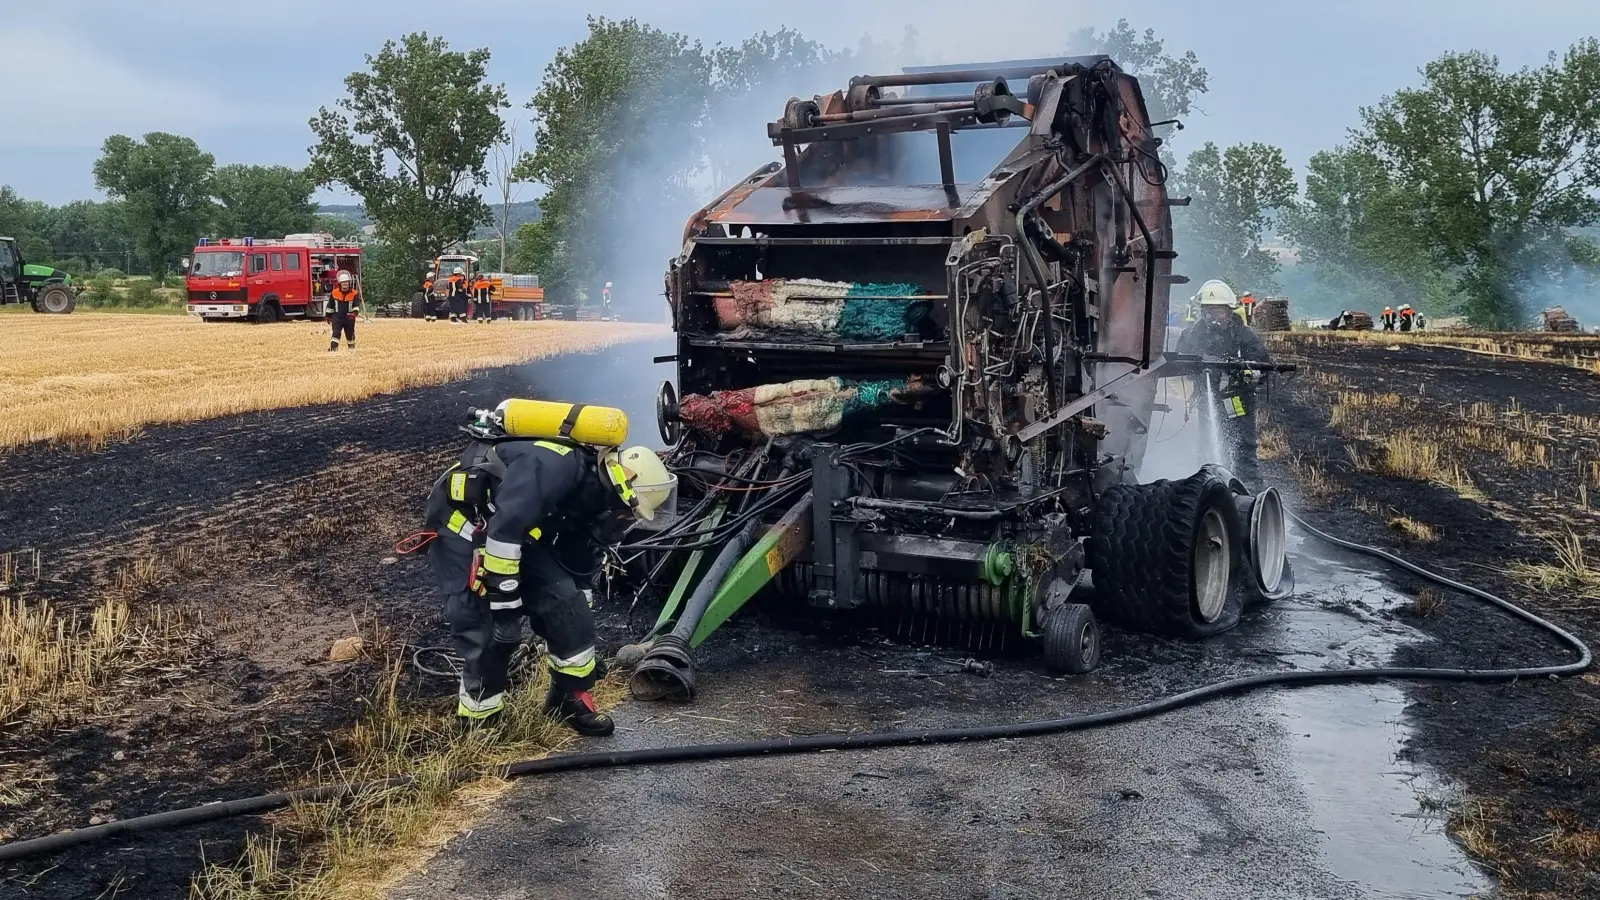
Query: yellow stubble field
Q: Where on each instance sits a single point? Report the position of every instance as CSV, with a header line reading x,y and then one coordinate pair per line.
x,y
88,378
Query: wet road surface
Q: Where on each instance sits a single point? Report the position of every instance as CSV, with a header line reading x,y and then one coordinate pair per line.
x,y
1294,794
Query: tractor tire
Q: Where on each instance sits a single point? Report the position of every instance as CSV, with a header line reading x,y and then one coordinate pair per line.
x,y
419,305
1071,639
1165,556
55,299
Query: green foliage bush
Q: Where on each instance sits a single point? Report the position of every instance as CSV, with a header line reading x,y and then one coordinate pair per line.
x,y
141,294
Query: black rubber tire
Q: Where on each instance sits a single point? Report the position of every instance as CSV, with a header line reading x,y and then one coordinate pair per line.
x,y
266,314
1071,639
1141,553
55,300
419,305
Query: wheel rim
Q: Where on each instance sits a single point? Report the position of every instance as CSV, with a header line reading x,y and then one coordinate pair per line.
x,y
1088,643
54,301
1212,554
1269,540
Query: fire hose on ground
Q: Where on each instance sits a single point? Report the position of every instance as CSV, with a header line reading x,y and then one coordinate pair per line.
x,y
602,759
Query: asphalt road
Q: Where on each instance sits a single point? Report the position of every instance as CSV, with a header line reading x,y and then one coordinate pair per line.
x,y
1293,794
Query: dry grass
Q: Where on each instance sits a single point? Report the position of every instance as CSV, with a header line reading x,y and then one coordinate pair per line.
x,y
1474,826
1410,454
1569,571
1313,478
1576,351
90,378
1427,604
1412,530
1272,443
55,667
358,848
1570,839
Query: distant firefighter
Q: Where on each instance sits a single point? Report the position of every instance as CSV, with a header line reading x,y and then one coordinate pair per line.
x,y
1389,318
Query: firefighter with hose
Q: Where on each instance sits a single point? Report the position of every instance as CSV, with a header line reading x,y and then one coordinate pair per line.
x,y
344,305
1221,333
540,491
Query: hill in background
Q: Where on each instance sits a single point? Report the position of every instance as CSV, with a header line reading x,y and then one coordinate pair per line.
x,y
521,214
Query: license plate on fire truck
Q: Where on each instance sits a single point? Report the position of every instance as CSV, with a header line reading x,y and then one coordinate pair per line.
x,y
219,310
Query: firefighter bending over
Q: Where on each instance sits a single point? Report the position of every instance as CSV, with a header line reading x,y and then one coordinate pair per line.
x,y
1221,333
344,304
515,518
458,293
482,308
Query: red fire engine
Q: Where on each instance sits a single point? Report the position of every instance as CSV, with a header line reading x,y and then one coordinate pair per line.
x,y
267,280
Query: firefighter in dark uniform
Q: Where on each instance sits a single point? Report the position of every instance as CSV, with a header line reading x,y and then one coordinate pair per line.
x,y
1388,318
458,294
515,518
1221,333
427,298
344,304
1408,317
482,306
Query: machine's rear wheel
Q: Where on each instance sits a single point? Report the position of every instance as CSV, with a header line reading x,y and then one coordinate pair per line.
x,y
1071,639
1164,556
56,299
419,305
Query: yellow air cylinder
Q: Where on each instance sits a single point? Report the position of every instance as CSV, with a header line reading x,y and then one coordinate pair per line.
x,y
602,426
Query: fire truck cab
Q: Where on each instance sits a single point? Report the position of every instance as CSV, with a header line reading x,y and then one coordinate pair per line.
x,y
267,280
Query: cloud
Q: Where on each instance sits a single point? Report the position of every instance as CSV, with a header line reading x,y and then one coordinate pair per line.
x,y
86,86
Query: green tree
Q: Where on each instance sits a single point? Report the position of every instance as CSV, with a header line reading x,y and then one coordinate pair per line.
x,y
1358,243
27,221
165,185
1235,192
617,142
1495,168
410,139
340,227
93,232
263,201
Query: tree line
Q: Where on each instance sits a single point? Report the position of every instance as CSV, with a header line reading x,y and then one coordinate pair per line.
x,y
1472,192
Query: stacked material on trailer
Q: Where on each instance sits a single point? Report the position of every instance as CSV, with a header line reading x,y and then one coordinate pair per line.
x,y
1556,318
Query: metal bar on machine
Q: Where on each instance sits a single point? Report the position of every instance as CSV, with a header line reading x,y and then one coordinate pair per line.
x,y
1084,402
669,610
956,76
767,241
782,543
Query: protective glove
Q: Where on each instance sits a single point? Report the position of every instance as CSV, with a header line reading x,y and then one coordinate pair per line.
x,y
1250,376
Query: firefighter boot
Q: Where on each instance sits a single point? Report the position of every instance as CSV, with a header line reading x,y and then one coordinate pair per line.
x,y
333,346
576,709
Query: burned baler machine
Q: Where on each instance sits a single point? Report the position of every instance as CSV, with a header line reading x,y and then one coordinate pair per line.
x,y
916,359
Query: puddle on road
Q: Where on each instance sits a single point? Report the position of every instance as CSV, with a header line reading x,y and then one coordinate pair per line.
x,y
1367,804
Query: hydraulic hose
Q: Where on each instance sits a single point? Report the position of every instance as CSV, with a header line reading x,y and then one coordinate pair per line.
x,y
834,742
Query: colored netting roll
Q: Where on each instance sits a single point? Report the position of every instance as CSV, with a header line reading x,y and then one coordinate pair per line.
x,y
880,319
883,289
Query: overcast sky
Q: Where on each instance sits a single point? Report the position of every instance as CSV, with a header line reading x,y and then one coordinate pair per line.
x,y
243,78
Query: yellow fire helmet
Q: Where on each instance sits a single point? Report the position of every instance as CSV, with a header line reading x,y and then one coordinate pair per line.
x,y
641,479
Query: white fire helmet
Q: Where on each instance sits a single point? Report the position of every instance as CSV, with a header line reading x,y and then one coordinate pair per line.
x,y
608,284
344,277
1217,293
431,274
458,271
653,489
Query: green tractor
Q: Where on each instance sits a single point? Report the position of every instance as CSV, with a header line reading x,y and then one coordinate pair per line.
x,y
48,290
